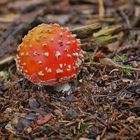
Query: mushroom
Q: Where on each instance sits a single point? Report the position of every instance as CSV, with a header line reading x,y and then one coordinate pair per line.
x,y
49,55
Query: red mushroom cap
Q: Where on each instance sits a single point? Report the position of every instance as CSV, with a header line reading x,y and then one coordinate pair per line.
x,y
49,55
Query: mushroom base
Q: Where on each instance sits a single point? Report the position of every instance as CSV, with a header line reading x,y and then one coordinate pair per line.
x,y
64,88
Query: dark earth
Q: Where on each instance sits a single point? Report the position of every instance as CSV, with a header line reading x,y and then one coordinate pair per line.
x,y
104,103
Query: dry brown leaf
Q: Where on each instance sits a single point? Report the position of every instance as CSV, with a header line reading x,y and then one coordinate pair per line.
x,y
44,119
107,61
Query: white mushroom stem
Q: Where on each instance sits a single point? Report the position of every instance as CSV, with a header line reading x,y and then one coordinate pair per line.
x,y
64,88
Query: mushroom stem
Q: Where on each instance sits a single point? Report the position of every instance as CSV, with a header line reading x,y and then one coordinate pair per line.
x,y
64,88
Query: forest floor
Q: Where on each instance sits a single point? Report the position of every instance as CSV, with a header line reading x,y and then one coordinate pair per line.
x,y
105,99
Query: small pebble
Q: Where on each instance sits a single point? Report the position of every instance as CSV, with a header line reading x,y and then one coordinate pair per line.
x,y
33,103
23,123
71,114
31,116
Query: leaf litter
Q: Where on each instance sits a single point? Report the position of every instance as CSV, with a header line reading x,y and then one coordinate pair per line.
x,y
105,99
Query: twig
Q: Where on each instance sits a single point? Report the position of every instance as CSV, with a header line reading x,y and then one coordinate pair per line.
x,y
123,49
132,59
101,8
86,30
108,61
121,12
6,61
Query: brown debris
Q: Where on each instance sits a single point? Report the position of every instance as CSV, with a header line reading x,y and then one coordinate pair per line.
x,y
105,99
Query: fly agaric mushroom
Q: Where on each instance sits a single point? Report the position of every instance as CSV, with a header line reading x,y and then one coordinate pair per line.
x,y
49,55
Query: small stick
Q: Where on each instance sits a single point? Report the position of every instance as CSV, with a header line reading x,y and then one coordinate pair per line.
x,y
86,30
101,8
